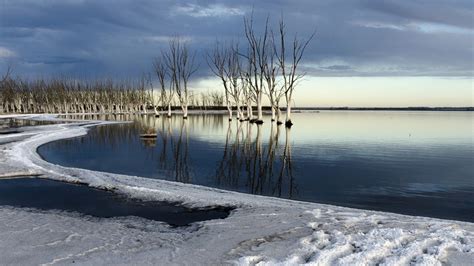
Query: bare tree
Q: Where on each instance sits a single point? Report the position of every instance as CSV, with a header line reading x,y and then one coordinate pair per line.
x,y
161,73
181,66
234,69
204,100
289,71
5,92
7,73
273,91
247,93
225,64
217,62
217,98
256,56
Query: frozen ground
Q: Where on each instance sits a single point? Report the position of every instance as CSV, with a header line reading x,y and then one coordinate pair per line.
x,y
262,230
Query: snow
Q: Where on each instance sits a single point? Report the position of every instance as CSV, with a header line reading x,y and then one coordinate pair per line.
x,y
260,231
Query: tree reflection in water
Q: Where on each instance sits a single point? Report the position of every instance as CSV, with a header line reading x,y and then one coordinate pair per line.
x,y
174,150
245,160
263,169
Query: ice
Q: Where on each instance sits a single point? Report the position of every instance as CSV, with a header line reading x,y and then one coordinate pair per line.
x,y
260,231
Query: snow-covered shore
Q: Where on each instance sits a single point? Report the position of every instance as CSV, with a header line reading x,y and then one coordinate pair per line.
x,y
261,230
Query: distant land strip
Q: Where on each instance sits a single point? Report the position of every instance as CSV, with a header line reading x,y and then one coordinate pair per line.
x,y
343,108
388,108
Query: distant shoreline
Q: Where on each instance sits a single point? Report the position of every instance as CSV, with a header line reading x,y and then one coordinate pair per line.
x,y
266,109
342,108
384,108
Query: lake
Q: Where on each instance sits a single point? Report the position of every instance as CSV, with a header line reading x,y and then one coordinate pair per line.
x,y
417,163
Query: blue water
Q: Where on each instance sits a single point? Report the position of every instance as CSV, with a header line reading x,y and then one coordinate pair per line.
x,y
418,163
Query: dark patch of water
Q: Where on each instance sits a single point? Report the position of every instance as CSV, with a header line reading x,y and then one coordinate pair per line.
x,y
46,194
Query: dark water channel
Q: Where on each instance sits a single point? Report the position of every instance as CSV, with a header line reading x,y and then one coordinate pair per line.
x,y
46,194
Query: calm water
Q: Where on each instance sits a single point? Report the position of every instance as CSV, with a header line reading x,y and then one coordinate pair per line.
x,y
419,163
53,195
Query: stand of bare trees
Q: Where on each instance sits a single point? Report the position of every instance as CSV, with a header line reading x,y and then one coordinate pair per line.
x,y
72,96
207,100
69,96
174,67
267,67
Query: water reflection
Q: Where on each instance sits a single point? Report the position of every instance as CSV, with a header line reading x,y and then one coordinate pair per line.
x,y
174,155
414,163
244,161
265,169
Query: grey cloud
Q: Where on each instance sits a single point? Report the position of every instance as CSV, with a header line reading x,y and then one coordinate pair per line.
x,y
354,38
337,67
454,13
55,60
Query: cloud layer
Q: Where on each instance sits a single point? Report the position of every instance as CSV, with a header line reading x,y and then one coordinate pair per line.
x,y
119,38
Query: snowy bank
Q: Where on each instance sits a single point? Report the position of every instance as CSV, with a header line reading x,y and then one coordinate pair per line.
x,y
261,230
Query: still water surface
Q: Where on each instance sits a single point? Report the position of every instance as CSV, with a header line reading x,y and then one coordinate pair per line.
x,y
46,194
419,163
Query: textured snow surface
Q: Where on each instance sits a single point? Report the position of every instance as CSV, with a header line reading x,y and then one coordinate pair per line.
x,y
262,230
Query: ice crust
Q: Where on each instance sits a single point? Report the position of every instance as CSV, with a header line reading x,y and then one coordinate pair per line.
x,y
260,231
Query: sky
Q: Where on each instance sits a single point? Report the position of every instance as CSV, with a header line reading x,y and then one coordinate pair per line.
x,y
365,53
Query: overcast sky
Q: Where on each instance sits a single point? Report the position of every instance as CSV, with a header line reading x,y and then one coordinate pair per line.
x,y
413,40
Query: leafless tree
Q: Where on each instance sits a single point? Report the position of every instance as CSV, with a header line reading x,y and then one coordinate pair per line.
x,y
247,93
256,56
274,91
225,64
217,62
181,66
234,72
217,98
161,73
289,63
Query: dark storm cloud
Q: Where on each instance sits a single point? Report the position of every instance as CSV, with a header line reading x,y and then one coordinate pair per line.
x,y
120,38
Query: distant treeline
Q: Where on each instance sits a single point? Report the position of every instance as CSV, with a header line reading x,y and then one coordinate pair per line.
x,y
64,95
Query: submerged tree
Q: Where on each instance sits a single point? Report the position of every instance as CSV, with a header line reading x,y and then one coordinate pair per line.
x,y
217,63
256,56
162,73
273,90
289,66
225,64
181,65
237,85
247,94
